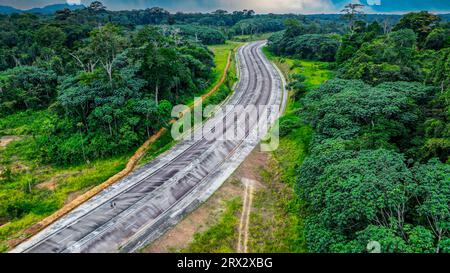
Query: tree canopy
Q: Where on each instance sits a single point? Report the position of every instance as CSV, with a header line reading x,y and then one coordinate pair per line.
x,y
296,42
112,90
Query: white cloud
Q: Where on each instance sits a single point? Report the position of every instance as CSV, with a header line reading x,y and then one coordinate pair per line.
x,y
73,2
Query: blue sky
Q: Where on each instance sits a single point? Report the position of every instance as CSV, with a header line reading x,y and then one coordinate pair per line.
x,y
263,6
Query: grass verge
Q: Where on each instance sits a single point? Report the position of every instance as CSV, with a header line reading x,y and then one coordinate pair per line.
x,y
252,38
222,236
29,190
277,218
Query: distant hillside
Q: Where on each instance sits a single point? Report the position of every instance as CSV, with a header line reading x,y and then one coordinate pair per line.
x,y
8,10
446,17
44,10
53,8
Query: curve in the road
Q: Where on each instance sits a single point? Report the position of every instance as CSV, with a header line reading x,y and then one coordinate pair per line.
x,y
158,195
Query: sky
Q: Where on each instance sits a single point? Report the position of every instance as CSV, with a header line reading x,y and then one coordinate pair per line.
x,y
260,6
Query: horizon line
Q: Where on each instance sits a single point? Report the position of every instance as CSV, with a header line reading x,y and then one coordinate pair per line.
x,y
207,12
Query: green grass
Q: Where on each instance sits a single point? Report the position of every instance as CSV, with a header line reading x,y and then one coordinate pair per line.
x,y
30,190
251,38
316,72
222,236
23,123
221,58
276,220
43,201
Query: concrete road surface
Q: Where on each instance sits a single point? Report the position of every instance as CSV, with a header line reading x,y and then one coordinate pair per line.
x,y
141,207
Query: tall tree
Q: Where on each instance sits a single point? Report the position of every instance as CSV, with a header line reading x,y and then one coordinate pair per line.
x,y
422,23
106,43
434,197
97,6
293,28
351,12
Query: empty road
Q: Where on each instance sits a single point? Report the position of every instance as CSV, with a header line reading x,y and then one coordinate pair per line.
x,y
140,208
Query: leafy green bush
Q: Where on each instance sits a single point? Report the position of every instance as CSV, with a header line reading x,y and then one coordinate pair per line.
x,y
257,25
288,124
26,87
319,47
387,58
203,34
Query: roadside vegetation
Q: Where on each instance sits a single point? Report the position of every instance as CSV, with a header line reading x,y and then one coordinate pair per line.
x,y
253,37
64,134
278,214
222,236
377,167
31,190
221,54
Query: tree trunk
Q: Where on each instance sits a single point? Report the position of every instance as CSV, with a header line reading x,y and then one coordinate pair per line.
x,y
108,68
82,147
156,93
16,61
438,249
